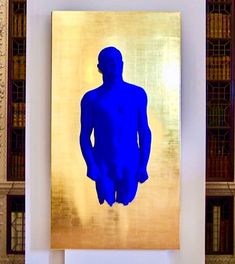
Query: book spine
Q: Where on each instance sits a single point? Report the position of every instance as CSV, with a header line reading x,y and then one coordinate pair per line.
x,y
20,25
21,67
208,25
224,26
216,228
24,67
216,25
229,26
20,115
24,117
15,26
220,25
219,68
18,66
222,236
212,20
15,67
24,26
210,67
215,75
223,77
14,114
227,68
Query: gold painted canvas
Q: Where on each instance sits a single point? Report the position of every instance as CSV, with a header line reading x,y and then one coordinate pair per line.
x,y
150,45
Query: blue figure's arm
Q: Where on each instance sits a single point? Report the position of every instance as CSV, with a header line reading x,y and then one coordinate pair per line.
x,y
144,137
85,137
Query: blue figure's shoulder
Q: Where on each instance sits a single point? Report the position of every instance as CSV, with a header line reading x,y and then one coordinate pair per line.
x,y
136,90
90,96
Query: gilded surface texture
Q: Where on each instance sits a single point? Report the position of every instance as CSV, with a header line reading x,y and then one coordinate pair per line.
x,y
3,86
150,45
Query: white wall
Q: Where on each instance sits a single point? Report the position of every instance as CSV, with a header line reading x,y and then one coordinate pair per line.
x,y
38,134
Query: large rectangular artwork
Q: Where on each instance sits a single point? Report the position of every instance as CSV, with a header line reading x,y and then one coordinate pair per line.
x,y
115,130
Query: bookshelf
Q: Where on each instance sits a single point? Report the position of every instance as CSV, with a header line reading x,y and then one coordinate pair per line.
x,y
16,90
220,128
220,105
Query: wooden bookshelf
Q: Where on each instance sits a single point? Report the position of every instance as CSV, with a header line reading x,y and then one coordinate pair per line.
x,y
219,233
16,91
220,91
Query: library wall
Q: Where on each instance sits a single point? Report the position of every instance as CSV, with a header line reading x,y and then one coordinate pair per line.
x,y
38,135
6,187
220,132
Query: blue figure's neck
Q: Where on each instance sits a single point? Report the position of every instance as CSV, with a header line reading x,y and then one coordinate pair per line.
x,y
112,83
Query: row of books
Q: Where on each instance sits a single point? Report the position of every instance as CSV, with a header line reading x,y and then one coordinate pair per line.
x,y
218,68
18,114
216,146
19,67
218,25
218,116
218,167
18,167
217,233
19,25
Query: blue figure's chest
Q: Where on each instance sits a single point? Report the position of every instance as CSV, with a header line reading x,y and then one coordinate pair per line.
x,y
115,105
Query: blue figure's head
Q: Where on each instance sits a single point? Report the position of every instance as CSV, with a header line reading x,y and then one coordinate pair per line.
x,y
110,64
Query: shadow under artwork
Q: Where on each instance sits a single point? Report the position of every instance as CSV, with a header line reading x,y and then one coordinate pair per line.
x,y
115,151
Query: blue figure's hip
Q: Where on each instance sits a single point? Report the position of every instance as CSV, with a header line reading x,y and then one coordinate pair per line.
x,y
115,164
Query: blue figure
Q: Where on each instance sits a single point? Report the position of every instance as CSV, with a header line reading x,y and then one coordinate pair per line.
x,y
117,111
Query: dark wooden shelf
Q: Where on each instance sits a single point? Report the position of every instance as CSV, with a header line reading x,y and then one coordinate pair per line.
x,y
220,179
16,93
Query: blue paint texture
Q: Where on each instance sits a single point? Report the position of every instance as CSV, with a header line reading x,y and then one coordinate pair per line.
x,y
117,112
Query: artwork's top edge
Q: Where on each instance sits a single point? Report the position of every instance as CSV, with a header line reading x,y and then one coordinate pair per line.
x,y
54,12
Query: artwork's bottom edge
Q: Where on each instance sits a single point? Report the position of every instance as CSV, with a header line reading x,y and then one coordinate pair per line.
x,y
147,248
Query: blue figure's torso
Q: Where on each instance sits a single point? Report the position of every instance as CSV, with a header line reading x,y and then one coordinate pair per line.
x,y
116,112
116,123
